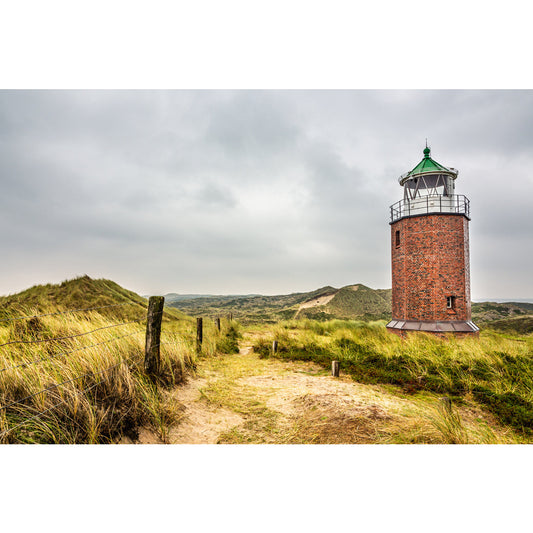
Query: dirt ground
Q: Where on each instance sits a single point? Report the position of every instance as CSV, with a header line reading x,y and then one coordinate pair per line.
x,y
241,398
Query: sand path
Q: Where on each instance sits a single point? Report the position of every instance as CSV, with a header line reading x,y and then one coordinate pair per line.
x,y
241,398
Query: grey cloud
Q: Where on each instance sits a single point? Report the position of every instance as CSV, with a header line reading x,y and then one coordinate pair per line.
x,y
251,191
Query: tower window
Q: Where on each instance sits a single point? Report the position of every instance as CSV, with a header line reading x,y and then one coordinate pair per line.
x,y
397,238
450,302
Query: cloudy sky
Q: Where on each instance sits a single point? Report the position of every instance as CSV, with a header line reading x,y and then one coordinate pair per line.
x,y
252,191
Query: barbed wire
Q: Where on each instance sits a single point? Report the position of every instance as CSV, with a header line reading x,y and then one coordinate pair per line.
x,y
42,360
3,409
38,415
68,311
52,387
37,341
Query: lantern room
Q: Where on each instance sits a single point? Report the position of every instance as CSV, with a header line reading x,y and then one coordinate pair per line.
x,y
429,188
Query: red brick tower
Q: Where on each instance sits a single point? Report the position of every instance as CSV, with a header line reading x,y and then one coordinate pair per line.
x,y
430,254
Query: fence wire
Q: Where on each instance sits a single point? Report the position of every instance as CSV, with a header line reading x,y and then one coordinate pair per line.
x,y
37,341
38,415
3,409
42,360
68,311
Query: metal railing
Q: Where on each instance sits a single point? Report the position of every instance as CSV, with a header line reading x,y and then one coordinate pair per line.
x,y
434,203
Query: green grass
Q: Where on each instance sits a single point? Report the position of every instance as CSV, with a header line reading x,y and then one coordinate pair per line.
x,y
94,387
347,302
79,293
495,371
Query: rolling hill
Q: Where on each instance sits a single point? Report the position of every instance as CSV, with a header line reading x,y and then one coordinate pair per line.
x,y
78,293
353,301
489,311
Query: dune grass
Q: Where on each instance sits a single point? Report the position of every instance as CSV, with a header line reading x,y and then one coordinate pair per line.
x,y
89,385
494,371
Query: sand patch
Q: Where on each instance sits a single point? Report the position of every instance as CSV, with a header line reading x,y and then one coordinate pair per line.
x,y
316,302
201,423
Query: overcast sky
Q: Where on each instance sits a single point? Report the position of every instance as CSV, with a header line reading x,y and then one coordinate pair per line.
x,y
252,191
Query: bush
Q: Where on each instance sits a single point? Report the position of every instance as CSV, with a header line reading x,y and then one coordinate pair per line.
x,y
229,342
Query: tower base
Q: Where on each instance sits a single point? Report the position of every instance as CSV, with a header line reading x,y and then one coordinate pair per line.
x,y
439,328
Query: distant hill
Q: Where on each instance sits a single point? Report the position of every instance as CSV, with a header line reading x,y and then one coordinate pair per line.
x,y
174,297
490,311
522,325
353,301
78,293
506,317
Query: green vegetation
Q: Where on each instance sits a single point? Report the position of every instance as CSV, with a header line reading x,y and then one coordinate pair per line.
x,y
89,385
493,371
228,339
78,293
519,325
504,316
353,301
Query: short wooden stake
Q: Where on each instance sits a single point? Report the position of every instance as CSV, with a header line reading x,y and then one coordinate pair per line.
x,y
335,367
199,334
274,347
153,334
217,323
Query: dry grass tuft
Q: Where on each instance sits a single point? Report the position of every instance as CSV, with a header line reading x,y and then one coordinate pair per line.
x,y
88,388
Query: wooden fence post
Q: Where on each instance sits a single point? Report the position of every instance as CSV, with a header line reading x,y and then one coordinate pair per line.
x,y
153,334
274,347
217,323
335,367
199,334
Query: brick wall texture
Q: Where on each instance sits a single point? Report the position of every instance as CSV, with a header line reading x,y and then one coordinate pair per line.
x,y
431,262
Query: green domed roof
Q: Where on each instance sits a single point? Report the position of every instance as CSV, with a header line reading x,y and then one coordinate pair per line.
x,y
428,166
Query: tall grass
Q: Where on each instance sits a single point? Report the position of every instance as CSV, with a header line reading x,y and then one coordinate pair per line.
x,y
494,370
86,389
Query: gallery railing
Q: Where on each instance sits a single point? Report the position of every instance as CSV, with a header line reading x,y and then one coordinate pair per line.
x,y
435,203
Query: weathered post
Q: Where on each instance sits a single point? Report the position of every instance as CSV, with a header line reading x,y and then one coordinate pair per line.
x,y
153,334
335,367
217,323
274,347
199,334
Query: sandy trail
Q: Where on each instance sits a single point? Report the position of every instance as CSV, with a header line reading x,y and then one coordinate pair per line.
x,y
202,423
241,398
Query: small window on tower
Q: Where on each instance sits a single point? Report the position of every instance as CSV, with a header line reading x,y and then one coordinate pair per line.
x,y
397,238
450,302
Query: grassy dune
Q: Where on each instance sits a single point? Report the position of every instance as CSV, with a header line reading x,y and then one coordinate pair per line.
x,y
494,371
88,384
95,389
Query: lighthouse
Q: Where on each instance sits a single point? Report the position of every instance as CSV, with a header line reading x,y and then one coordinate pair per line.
x,y
430,253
